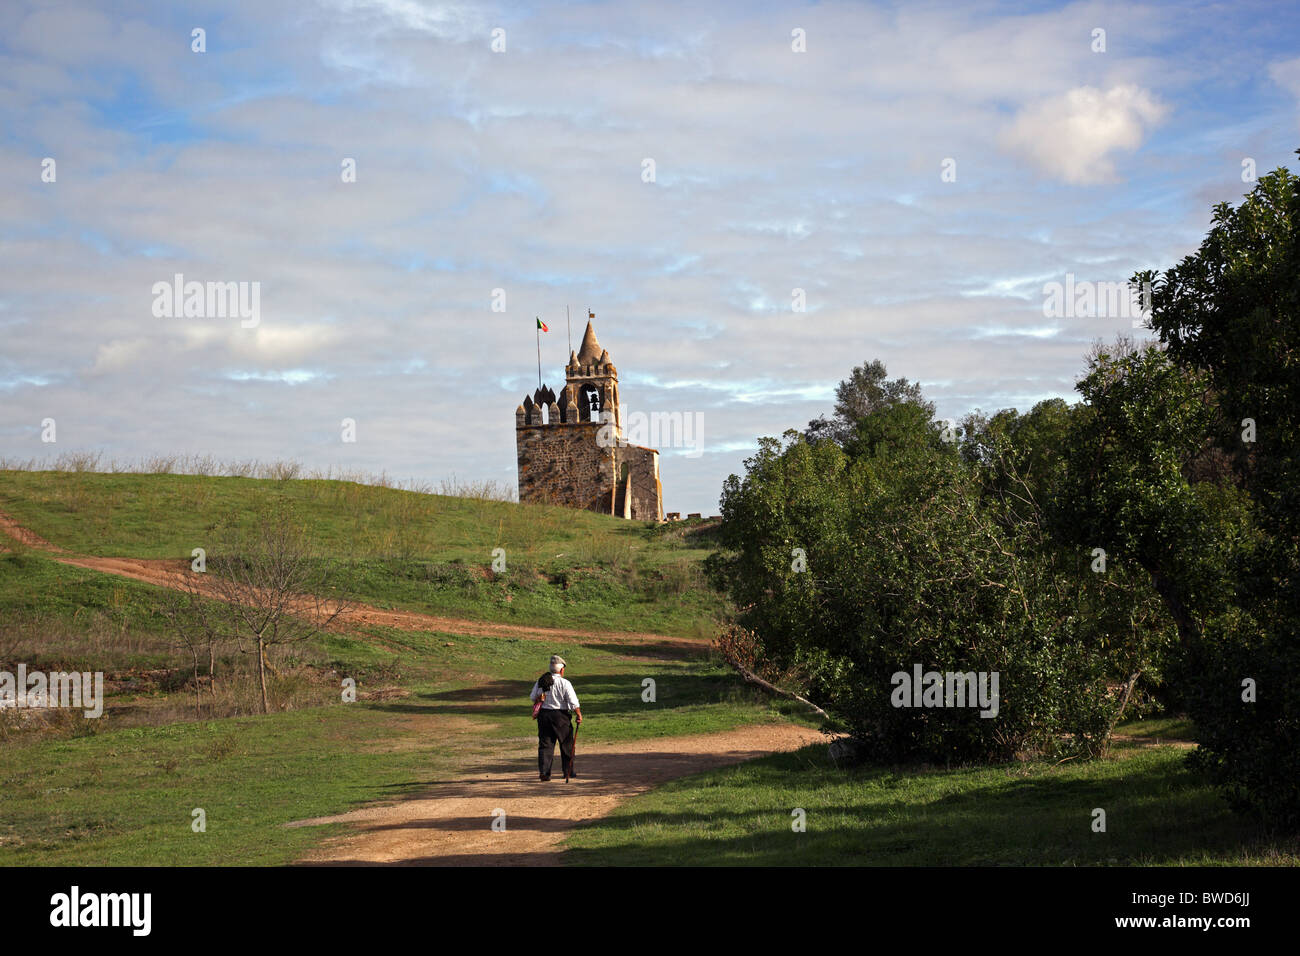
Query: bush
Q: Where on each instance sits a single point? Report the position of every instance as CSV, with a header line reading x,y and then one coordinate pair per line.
x,y
908,563
1248,747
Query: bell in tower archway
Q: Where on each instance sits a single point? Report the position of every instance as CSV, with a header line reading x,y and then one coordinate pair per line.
x,y
590,403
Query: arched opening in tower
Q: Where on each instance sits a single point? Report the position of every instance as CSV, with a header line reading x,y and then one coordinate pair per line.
x,y
589,405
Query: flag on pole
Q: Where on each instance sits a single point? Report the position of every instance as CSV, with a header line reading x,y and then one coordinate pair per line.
x,y
541,327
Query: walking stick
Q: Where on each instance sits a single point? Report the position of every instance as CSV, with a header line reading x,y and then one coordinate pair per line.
x,y
573,754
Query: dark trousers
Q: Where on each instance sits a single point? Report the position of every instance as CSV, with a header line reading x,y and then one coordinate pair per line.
x,y
553,727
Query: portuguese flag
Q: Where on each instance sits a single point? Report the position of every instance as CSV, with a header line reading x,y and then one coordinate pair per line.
x,y
541,327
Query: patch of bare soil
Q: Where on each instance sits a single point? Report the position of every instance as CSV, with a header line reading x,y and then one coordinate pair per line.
x,y
451,824
16,531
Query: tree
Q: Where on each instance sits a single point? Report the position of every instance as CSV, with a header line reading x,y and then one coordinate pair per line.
x,y
1230,313
1230,310
864,393
196,625
276,589
909,563
1129,451
1021,462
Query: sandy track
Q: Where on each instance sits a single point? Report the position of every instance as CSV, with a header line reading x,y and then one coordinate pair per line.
x,y
451,825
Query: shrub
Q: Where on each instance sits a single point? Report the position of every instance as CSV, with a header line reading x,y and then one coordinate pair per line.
x,y
908,564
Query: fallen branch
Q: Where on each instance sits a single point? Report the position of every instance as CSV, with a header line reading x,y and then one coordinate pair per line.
x,y
753,678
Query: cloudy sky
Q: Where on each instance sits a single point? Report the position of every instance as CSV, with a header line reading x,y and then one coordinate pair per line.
x,y
920,171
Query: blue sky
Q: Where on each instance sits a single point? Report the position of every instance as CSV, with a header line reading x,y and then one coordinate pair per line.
x,y
522,170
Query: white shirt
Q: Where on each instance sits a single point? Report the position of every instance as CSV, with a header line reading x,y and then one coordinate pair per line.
x,y
561,696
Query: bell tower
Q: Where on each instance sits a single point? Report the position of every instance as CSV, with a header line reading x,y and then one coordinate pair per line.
x,y
566,453
592,381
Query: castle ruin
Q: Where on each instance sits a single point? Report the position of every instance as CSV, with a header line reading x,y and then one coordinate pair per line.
x,y
571,447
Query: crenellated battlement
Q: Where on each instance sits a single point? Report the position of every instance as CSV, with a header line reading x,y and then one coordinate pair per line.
x,y
545,408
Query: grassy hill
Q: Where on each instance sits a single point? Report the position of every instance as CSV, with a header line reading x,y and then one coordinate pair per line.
x,y
121,789
419,552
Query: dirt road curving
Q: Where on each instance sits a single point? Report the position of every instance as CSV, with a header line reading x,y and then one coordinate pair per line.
x,y
451,825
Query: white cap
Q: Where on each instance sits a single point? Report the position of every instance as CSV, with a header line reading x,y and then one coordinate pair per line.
x,y
557,663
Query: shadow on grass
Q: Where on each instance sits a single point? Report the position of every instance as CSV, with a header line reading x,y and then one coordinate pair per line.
x,y
608,696
661,650
1157,812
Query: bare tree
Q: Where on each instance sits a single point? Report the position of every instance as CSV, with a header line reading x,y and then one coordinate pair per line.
x,y
277,589
197,624
175,608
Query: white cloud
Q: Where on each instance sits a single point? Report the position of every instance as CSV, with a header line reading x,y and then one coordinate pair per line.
x,y
1286,74
119,354
1071,137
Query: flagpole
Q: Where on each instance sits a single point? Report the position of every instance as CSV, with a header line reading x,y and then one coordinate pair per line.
x,y
568,328
538,332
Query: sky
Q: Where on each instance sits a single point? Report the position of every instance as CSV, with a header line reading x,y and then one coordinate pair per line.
x,y
753,198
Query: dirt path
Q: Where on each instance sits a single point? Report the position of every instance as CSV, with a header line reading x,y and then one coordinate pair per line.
x,y
451,825
16,531
174,573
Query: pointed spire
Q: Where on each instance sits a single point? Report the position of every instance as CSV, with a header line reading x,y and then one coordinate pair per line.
x,y
590,350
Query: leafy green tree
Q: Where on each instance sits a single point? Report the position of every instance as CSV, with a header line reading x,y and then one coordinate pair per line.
x,y
1142,423
1230,314
1231,311
1016,448
865,392
909,562
1021,462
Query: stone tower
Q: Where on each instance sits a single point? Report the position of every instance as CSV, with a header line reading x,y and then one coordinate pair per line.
x,y
571,447
592,381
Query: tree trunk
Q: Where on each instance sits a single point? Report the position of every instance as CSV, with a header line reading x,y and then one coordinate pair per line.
x,y
198,710
1188,631
261,673
1123,703
212,673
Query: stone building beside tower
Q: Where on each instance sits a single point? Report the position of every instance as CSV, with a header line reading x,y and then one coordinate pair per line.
x,y
571,447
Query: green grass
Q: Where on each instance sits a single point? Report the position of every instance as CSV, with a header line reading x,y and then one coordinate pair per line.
x,y
126,797
418,552
1158,813
1158,728
31,583
122,795
488,679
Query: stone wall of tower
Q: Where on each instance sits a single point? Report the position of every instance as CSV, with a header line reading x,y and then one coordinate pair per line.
x,y
640,495
560,463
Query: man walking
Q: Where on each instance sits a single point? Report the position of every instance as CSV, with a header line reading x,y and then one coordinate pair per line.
x,y
553,724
